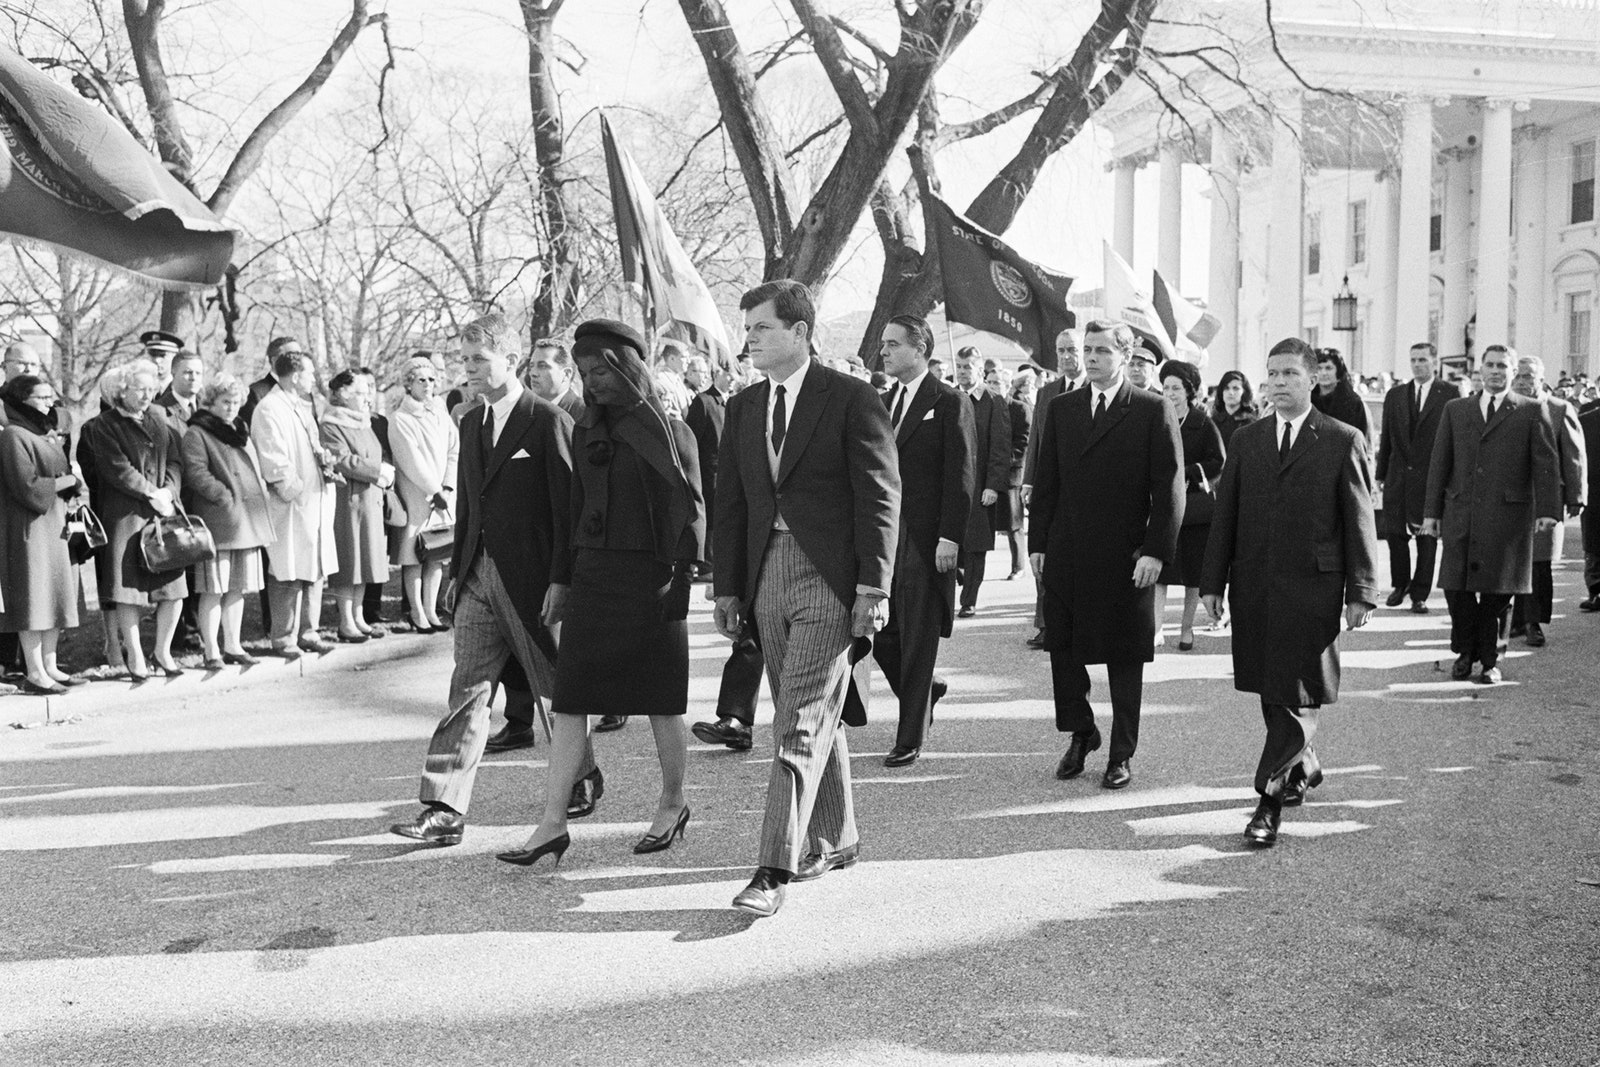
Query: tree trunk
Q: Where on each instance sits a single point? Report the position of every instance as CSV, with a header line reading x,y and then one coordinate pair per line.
x,y
556,300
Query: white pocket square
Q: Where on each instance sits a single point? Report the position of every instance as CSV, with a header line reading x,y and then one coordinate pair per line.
x,y
521,453
928,416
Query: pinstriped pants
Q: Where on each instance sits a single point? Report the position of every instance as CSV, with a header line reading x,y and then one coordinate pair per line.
x,y
488,631
805,635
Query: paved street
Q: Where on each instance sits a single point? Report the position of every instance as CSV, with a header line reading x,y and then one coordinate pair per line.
x,y
207,878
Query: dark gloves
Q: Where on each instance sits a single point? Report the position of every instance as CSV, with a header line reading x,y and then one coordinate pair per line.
x,y
675,605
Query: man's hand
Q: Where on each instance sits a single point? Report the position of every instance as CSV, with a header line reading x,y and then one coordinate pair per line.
x,y
1036,561
1430,527
450,597
728,616
1357,614
1574,510
1145,572
1544,524
555,605
1213,603
1027,494
988,498
945,556
869,615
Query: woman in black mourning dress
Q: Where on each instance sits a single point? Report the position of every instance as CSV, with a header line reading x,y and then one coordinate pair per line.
x,y
639,533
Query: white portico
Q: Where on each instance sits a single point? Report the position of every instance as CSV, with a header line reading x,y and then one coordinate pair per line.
x,y
1439,153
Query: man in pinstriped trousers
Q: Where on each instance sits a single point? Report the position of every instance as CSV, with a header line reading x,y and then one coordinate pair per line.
x,y
808,511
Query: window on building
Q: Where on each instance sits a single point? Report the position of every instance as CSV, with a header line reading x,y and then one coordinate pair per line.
x,y
1313,335
1436,219
1358,233
1583,182
1578,331
1314,243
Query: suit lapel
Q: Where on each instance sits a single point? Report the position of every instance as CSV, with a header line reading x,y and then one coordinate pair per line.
x,y
753,434
803,419
1304,439
1116,408
918,407
517,424
1502,411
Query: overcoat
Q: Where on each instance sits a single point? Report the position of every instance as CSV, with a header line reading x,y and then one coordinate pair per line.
x,y
1228,425
1009,513
1104,494
991,465
133,457
1573,469
705,417
358,532
41,585
300,501
1404,450
1487,485
1589,421
222,485
1292,544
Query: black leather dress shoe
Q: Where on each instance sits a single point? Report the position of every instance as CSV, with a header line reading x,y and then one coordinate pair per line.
x,y
1306,775
1396,598
1117,775
510,738
1037,640
608,723
967,611
1418,608
764,895
1490,676
586,793
1535,635
725,731
818,864
1078,749
436,826
1591,604
1262,830
1518,631
940,688
1462,670
901,756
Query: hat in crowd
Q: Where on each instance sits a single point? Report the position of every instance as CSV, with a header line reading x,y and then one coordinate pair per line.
x,y
160,342
596,337
1141,351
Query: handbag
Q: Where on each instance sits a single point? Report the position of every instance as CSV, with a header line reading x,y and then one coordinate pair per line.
x,y
1198,506
85,535
394,509
436,541
174,542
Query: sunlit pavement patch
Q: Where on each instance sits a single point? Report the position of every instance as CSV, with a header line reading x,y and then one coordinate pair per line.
x,y
102,791
1230,822
271,861
102,829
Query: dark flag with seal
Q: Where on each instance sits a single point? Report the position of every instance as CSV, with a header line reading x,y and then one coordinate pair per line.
x,y
72,177
989,287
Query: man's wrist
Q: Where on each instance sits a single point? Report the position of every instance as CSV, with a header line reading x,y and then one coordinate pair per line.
x,y
871,591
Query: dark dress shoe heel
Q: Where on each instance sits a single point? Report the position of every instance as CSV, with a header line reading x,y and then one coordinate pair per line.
x,y
966,612
436,826
1535,635
353,639
527,857
71,682
586,793
173,671
509,738
1118,775
240,659
1462,668
609,723
1396,598
764,895
213,664
901,756
1418,608
1078,750
818,864
662,842
33,688
1262,830
1185,646
725,731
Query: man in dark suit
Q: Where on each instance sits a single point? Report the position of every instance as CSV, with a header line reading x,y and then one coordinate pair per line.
x,y
933,432
1069,367
991,462
1530,612
705,417
1589,421
1293,543
1492,481
808,505
514,485
1107,504
181,398
1411,414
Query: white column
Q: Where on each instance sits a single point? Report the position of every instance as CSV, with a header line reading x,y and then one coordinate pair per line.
x,y
1457,258
1411,251
1494,225
1169,237
1383,216
1122,214
1285,270
1531,146
1223,298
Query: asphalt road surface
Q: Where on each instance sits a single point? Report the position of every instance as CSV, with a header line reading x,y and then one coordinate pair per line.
x,y
203,875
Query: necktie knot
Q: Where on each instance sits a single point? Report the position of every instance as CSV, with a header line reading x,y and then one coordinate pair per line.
x,y
1100,407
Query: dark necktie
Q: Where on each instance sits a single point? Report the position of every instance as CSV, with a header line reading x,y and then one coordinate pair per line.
x,y
780,422
1491,410
486,438
1283,446
1100,407
1416,403
899,405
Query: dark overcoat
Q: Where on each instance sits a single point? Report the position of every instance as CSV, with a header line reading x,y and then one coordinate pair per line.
x,y
1292,544
705,417
39,582
133,457
1571,467
991,466
1104,494
222,485
1487,485
1405,449
1589,421
935,445
1009,512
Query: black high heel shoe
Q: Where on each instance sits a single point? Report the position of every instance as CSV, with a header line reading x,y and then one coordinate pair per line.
x,y
662,842
527,857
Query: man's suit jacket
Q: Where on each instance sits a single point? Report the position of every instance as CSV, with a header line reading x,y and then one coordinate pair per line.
x,y
935,445
1486,486
1293,543
991,465
515,502
1041,404
1106,493
838,486
168,401
572,404
1404,450
258,389
1589,421
707,413
1572,469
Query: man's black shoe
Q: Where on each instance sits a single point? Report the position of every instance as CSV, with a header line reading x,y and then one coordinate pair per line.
x,y
509,738
729,732
586,793
1071,764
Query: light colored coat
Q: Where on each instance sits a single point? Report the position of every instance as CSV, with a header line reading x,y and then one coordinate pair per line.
x,y
1571,466
426,447
300,502
358,531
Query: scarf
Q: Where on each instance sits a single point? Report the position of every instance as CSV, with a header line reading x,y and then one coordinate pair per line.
x,y
31,418
349,418
233,433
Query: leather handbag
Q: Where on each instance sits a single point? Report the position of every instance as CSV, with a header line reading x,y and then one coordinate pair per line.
x,y
1198,506
436,540
85,535
174,542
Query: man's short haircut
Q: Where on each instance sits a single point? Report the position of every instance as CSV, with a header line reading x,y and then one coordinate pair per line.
x,y
278,344
1121,333
492,331
696,361
288,364
16,351
967,353
1511,353
1294,346
562,357
1072,332
919,331
791,302
1531,361
1433,349
184,355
